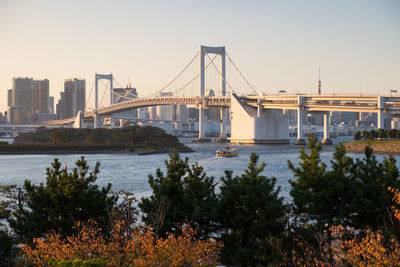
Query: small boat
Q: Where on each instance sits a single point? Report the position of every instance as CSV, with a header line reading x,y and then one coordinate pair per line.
x,y
226,152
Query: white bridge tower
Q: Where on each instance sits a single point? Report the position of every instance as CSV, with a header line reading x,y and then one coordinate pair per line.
x,y
98,77
202,123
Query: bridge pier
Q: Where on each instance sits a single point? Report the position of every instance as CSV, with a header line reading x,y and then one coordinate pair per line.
x,y
326,140
97,121
381,114
222,134
202,123
300,116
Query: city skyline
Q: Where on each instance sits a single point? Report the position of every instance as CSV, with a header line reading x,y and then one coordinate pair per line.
x,y
276,44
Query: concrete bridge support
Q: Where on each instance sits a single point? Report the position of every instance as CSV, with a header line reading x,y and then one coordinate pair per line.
x,y
96,121
202,124
300,117
326,140
381,115
256,125
224,114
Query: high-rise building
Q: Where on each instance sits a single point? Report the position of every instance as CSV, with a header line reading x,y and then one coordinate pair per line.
x,y
51,105
22,97
60,107
74,96
9,97
41,96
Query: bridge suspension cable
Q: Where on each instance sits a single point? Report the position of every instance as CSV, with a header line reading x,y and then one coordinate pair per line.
x,y
193,79
176,77
240,73
126,92
90,94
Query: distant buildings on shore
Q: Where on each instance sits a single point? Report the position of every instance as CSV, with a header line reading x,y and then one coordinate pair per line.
x,y
73,99
29,100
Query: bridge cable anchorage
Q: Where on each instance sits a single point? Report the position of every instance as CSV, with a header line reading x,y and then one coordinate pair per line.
x,y
90,94
176,77
193,79
240,73
219,72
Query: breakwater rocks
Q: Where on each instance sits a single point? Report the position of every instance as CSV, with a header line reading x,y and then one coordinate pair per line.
x,y
378,146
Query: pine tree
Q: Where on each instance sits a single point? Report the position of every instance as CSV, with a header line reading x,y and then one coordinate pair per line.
x,y
251,216
184,195
311,180
371,198
66,198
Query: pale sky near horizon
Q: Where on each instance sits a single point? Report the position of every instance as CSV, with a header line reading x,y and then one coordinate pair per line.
x,y
276,44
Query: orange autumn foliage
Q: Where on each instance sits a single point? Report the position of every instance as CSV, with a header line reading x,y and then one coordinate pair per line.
x,y
347,247
372,248
136,247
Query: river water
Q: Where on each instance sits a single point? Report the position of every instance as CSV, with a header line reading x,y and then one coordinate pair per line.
x,y
130,172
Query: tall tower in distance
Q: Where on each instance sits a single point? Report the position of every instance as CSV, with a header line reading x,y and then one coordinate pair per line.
x,y
41,96
74,96
22,97
319,81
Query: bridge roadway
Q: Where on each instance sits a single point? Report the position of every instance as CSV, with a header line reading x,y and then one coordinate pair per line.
x,y
389,105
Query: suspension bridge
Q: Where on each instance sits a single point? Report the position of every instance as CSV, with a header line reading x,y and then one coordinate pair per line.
x,y
255,118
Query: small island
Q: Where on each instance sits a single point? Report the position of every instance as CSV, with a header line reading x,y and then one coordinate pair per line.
x,y
133,139
381,141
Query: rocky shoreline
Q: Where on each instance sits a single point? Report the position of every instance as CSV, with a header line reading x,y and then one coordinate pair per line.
x,y
379,147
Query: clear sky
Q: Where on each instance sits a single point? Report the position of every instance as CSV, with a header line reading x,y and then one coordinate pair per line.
x,y
276,44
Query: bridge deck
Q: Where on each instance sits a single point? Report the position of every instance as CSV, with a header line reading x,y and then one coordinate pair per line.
x,y
311,103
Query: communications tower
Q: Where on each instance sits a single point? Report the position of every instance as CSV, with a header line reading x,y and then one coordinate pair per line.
x,y
319,81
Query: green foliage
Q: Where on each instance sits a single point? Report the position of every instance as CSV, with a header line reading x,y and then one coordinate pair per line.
x,y
67,197
184,195
251,216
351,193
78,263
370,197
311,180
357,136
381,134
6,243
365,135
373,135
392,133
126,139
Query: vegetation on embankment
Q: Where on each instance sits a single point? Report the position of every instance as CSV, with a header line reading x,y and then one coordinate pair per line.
x,y
134,139
381,141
